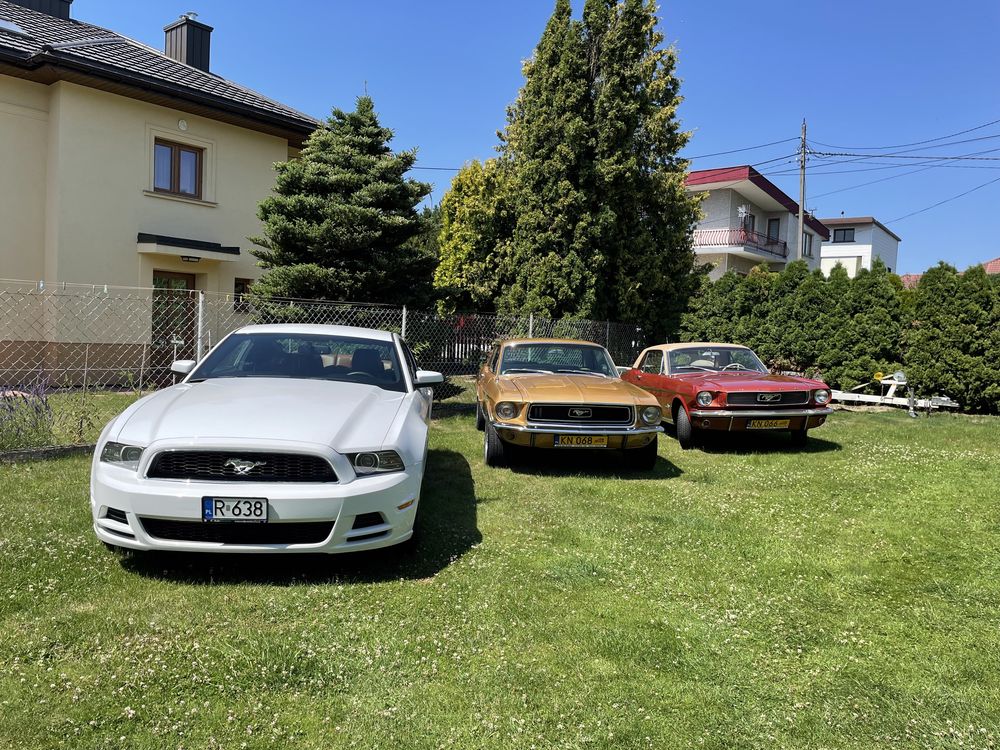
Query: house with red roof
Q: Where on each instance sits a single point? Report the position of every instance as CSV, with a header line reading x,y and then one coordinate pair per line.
x,y
748,220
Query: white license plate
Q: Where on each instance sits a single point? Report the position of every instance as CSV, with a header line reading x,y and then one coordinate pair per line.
x,y
245,509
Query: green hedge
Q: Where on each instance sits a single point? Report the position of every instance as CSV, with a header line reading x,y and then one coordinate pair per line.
x,y
945,334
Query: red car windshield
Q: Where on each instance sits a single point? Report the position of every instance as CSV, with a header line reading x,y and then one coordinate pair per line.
x,y
714,359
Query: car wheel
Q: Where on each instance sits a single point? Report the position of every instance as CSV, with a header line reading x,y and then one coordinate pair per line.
x,y
641,459
684,429
495,452
480,417
800,438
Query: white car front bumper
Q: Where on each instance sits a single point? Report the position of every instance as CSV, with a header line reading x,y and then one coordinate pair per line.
x,y
158,514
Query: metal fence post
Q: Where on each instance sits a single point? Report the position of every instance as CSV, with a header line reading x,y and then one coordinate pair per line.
x,y
201,325
403,334
531,325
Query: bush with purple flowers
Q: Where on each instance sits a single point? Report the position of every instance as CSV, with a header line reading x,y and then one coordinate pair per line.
x,y
25,418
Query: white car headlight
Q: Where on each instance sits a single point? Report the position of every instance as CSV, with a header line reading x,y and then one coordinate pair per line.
x,y
119,454
651,415
376,462
822,396
506,410
705,398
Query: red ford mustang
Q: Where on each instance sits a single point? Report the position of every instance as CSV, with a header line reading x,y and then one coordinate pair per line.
x,y
726,387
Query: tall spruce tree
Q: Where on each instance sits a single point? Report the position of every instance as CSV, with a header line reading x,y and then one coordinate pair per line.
x,y
643,212
548,143
599,221
342,217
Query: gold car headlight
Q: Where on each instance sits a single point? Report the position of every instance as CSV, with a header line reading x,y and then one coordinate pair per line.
x,y
506,410
651,415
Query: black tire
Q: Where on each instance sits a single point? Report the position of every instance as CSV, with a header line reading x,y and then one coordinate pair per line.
x,y
800,438
495,452
480,417
683,428
642,459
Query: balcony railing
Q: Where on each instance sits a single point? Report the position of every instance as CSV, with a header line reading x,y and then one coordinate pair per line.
x,y
740,238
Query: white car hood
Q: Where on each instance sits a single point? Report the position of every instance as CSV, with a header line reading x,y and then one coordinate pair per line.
x,y
343,416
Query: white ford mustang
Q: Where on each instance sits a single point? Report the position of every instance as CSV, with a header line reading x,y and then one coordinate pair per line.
x,y
285,438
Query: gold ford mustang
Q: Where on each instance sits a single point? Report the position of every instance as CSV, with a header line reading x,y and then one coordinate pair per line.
x,y
555,393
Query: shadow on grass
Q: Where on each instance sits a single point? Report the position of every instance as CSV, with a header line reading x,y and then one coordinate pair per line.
x,y
448,529
775,441
591,464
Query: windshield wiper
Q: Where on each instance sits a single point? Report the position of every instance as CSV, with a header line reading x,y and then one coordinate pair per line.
x,y
524,369
583,372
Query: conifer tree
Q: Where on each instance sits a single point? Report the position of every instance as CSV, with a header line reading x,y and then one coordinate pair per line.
x,y
599,221
342,216
548,145
642,211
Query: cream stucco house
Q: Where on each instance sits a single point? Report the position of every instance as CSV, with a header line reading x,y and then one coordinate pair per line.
x,y
128,166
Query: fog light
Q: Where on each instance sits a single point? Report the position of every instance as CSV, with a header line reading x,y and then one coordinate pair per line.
x,y
705,424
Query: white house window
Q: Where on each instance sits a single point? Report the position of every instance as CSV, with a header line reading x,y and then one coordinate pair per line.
x,y
807,245
843,235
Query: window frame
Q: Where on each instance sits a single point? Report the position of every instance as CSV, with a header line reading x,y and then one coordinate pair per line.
x,y
651,353
777,229
807,245
842,233
176,149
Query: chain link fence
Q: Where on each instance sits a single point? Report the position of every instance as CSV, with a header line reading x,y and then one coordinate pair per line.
x,y
74,355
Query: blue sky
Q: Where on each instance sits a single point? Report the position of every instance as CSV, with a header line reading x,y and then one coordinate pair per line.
x,y
863,73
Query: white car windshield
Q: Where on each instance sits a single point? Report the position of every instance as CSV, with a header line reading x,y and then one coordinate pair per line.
x,y
714,359
304,356
586,359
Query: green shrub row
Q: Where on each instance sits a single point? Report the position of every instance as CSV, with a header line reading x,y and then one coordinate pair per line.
x,y
945,333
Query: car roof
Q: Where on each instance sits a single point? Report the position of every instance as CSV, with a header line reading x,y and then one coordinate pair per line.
x,y
320,330
694,345
507,342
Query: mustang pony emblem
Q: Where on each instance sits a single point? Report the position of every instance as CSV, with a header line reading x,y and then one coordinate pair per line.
x,y
242,467
580,413
768,398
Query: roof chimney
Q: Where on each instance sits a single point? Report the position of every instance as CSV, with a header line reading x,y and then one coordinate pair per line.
x,y
57,8
189,41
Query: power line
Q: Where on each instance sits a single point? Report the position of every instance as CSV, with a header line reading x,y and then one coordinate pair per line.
x,y
738,150
904,145
946,200
933,160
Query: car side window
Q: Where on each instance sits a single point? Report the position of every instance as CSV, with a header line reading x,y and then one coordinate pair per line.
x,y
491,361
652,363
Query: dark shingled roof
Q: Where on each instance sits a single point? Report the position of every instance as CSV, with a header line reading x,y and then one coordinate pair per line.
x,y
92,50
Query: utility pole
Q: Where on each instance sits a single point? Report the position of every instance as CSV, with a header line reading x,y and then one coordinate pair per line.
x,y
802,193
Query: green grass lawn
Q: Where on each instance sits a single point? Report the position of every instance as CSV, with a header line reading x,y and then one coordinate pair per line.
x,y
744,596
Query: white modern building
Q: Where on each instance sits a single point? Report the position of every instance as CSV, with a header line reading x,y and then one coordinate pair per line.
x,y
856,241
748,220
